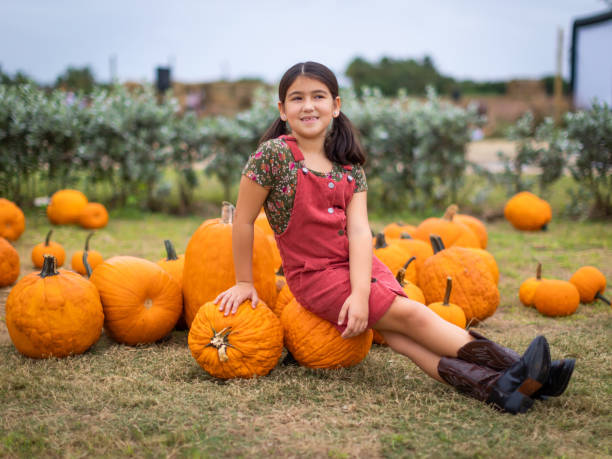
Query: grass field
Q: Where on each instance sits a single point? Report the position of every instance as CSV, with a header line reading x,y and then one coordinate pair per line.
x,y
154,400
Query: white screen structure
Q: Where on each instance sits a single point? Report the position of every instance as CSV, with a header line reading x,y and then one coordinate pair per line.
x,y
593,71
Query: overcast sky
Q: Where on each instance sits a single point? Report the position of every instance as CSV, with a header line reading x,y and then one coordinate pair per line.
x,y
206,40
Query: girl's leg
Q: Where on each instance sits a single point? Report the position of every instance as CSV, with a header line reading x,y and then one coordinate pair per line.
x,y
422,357
423,326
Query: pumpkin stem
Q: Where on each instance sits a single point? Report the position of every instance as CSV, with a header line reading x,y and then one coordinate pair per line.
x,y
220,342
48,238
436,243
410,260
450,213
280,271
87,240
227,213
49,266
400,276
447,293
405,236
539,271
86,264
170,252
602,298
381,243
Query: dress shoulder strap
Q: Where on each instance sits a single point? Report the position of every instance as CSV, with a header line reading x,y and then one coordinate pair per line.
x,y
292,144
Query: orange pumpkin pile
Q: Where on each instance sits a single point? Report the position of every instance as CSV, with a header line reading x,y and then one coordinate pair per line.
x,y
72,206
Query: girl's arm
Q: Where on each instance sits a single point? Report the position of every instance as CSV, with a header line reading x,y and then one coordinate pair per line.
x,y
360,266
251,197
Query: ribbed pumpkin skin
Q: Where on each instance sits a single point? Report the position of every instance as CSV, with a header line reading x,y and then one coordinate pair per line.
x,y
556,298
12,220
94,258
490,261
395,230
141,301
54,316
527,212
316,343
93,216
66,206
477,226
209,266
9,263
256,339
283,299
589,281
474,289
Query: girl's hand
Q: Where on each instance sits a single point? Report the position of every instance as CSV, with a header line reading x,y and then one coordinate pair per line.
x,y
235,296
356,308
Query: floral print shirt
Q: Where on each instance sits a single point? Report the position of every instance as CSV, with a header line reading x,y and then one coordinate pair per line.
x,y
272,166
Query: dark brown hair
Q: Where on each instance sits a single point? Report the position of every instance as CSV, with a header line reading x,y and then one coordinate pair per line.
x,y
342,142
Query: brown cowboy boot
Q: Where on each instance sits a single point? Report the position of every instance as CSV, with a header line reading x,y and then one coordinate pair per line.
x,y
483,351
509,390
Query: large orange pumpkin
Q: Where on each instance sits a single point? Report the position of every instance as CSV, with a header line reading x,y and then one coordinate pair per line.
x,y
66,207
241,345
475,289
316,343
528,212
53,313
591,284
141,301
452,232
48,247
9,263
283,299
93,216
12,220
476,225
94,258
209,265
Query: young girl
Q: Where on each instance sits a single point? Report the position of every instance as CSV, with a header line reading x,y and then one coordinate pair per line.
x,y
313,189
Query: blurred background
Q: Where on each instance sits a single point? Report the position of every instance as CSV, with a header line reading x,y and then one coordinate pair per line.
x,y
187,88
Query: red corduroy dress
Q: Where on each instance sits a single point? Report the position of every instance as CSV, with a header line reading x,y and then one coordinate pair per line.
x,y
315,249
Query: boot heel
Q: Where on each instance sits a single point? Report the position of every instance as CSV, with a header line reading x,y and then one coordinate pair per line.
x,y
529,387
517,403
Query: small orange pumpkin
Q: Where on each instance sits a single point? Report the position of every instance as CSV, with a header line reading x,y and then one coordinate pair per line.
x,y
241,345
415,248
528,288
12,220
527,212
48,247
448,311
556,298
591,284
141,302
316,343
395,230
94,258
66,207
9,263
452,232
410,288
93,216
392,256
53,313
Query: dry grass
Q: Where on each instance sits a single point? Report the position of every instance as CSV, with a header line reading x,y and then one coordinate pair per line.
x,y
155,400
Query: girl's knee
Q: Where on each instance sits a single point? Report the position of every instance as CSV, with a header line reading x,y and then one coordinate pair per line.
x,y
405,313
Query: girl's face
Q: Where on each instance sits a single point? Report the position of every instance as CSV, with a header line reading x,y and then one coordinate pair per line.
x,y
309,107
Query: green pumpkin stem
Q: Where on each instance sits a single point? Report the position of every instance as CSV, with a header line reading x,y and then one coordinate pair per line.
x,y
48,238
410,260
602,298
170,252
381,243
447,293
86,264
49,266
539,272
405,236
87,240
436,243
227,213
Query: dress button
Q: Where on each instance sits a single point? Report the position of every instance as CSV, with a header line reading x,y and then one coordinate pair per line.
x,y
350,178
304,170
341,232
330,184
330,210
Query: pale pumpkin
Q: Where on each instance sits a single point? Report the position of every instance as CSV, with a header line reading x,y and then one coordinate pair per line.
x,y
316,343
141,302
241,345
48,247
12,220
53,313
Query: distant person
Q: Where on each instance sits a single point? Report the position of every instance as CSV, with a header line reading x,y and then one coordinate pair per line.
x,y
311,183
